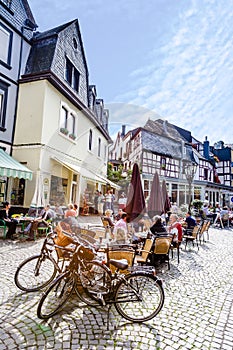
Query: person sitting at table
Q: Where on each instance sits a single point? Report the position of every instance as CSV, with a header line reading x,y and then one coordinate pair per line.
x,y
120,231
190,223
70,211
108,217
40,221
10,223
119,214
158,229
175,229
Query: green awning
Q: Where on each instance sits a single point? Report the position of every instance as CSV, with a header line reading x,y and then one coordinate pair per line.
x,y
10,167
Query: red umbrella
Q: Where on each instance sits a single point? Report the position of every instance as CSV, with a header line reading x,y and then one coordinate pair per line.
x,y
135,206
166,200
155,203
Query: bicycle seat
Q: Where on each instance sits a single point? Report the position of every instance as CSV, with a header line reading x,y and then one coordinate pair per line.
x,y
119,264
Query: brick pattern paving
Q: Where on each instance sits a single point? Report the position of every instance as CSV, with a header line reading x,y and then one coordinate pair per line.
x,y
197,314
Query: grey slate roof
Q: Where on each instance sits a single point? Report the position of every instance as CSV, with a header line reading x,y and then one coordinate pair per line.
x,y
43,50
28,11
162,127
160,144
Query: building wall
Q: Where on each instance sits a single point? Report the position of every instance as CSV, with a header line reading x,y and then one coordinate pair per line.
x,y
12,20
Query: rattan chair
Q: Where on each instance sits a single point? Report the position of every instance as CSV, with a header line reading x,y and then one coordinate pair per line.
x,y
118,254
193,235
161,249
144,253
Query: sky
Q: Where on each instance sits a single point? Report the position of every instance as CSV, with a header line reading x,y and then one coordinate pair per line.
x,y
168,59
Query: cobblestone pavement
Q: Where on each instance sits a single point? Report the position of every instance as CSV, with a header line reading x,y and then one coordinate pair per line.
x,y
197,314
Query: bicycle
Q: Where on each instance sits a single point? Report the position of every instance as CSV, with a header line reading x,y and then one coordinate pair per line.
x,y
36,272
137,296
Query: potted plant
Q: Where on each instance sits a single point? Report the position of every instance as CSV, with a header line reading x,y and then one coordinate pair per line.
x,y
72,136
64,131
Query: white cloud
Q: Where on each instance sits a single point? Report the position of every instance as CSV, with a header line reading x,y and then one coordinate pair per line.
x,y
192,83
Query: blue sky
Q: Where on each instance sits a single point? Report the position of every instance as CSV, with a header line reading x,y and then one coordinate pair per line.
x,y
169,59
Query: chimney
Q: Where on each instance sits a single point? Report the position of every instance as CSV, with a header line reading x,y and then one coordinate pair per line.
x,y
206,150
123,130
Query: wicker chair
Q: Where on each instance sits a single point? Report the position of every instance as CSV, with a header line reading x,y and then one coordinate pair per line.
x,y
118,254
145,252
161,248
193,235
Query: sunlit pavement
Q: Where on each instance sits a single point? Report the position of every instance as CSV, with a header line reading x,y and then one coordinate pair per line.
x,y
197,314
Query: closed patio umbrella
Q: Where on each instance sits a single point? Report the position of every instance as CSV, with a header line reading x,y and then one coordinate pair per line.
x,y
38,200
155,203
166,200
135,206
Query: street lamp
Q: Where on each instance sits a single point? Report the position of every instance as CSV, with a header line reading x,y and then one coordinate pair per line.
x,y
190,169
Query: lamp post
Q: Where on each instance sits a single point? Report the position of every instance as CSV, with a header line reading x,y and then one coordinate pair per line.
x,y
190,169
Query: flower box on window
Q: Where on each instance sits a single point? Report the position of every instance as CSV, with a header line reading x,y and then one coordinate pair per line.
x,y
64,131
72,136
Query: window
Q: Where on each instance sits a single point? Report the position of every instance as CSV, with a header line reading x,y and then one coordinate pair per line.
x,y
163,163
72,122
90,140
64,118
68,122
3,103
99,147
5,45
72,75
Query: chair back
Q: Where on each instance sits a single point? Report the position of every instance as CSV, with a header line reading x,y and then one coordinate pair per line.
x,y
85,231
127,254
120,235
146,249
195,231
162,245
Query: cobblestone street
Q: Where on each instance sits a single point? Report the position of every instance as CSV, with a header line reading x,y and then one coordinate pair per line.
x,y
197,314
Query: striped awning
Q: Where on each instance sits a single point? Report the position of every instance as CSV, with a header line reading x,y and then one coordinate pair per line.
x,y
10,167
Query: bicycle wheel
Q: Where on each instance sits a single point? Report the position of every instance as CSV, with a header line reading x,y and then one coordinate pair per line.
x,y
54,298
35,273
94,283
139,297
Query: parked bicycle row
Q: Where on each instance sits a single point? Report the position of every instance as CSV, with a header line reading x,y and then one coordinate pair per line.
x,y
74,263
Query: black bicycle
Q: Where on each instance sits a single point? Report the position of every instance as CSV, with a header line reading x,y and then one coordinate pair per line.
x,y
37,271
138,296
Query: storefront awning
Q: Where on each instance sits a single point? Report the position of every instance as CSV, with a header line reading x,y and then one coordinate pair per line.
x,y
10,167
88,174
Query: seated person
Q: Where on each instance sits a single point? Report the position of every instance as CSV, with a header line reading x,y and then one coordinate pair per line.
x,y
158,229
118,215
108,217
190,222
38,222
70,211
175,229
10,223
120,231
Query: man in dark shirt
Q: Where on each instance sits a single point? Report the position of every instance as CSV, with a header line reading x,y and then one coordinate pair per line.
x,y
191,222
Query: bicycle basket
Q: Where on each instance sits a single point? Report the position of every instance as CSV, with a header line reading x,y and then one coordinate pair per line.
x,y
86,253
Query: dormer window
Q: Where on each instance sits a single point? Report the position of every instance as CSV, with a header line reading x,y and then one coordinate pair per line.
x,y
72,75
